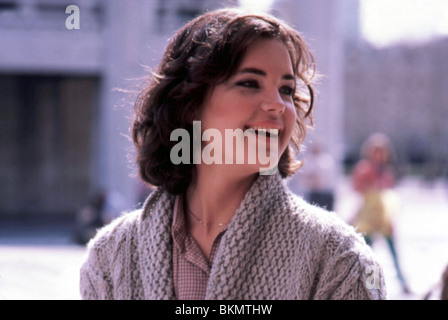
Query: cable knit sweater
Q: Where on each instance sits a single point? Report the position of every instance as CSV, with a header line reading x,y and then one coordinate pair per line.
x,y
276,247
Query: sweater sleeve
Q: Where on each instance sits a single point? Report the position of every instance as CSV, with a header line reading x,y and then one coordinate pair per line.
x,y
351,272
102,275
95,281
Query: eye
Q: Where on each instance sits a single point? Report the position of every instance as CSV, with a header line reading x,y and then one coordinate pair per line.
x,y
287,90
252,84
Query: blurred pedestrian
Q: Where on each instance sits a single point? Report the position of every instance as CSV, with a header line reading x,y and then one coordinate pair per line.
x,y
374,178
319,176
102,208
227,231
90,218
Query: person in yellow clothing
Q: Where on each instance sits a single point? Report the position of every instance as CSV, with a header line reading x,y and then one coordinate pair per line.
x,y
374,178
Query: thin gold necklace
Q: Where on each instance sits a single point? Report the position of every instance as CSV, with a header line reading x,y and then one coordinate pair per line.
x,y
201,221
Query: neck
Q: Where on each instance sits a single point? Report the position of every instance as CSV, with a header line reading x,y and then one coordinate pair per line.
x,y
214,196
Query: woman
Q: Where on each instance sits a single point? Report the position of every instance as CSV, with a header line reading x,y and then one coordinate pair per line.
x,y
374,178
226,229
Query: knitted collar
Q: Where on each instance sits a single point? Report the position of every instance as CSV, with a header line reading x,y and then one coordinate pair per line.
x,y
243,233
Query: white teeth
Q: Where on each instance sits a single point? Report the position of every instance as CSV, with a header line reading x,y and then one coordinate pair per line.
x,y
263,131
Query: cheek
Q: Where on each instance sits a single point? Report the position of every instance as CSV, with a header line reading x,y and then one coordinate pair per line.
x,y
290,118
226,112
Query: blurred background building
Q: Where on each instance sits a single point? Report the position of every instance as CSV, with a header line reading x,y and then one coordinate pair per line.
x,y
401,91
65,127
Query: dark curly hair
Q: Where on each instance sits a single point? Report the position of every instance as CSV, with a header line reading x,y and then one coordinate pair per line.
x,y
204,53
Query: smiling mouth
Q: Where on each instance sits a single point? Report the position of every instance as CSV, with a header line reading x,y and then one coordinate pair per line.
x,y
266,132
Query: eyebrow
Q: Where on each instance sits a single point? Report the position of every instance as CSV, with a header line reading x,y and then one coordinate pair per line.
x,y
262,73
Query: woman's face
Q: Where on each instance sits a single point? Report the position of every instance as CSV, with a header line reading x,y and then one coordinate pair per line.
x,y
258,96
378,154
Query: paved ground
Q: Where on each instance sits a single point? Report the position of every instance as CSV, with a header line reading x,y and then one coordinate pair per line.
x,y
44,263
421,236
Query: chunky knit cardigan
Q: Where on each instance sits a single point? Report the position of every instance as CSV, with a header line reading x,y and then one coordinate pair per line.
x,y
276,247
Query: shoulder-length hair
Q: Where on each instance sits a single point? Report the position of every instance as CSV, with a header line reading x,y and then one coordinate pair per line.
x,y
204,53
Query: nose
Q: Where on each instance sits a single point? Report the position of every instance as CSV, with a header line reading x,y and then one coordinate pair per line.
x,y
273,106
